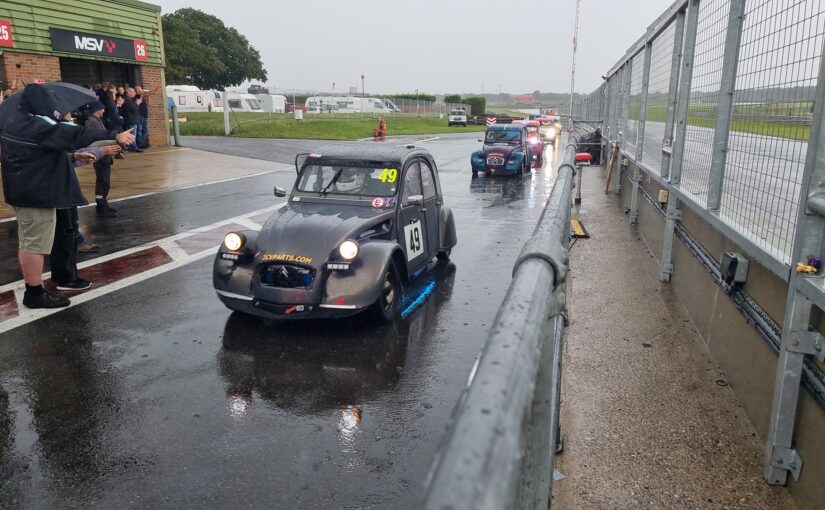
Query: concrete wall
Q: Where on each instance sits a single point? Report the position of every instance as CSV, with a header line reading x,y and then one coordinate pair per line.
x,y
746,359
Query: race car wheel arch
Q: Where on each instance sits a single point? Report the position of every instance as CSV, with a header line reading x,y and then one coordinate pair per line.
x,y
362,285
446,221
236,276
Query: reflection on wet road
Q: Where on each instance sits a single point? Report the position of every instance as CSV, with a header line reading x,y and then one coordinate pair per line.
x,y
157,396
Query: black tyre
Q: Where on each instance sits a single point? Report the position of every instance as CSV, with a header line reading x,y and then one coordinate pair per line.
x,y
386,306
444,255
525,166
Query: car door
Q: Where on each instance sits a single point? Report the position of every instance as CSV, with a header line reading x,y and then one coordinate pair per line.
x,y
526,147
412,230
431,206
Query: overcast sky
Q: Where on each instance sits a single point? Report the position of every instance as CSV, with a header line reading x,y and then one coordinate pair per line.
x,y
435,46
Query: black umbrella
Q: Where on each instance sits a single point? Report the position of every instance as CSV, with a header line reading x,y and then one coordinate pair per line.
x,y
69,98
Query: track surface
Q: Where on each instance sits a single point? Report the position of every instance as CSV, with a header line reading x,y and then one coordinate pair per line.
x,y
154,395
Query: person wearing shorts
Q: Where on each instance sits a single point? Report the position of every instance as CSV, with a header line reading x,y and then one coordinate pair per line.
x,y
35,229
37,150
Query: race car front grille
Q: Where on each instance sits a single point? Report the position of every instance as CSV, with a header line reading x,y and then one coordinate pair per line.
x,y
286,276
495,160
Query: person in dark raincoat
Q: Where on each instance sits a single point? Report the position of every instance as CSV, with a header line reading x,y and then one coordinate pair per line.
x,y
36,153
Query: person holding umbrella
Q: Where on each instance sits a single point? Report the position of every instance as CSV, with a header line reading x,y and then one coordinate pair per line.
x,y
36,151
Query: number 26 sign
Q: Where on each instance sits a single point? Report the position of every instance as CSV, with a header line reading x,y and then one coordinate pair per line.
x,y
5,33
141,51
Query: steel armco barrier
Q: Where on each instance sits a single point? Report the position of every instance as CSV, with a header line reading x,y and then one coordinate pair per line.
x,y
499,449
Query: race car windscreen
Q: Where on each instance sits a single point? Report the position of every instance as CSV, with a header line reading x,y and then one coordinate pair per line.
x,y
349,180
503,136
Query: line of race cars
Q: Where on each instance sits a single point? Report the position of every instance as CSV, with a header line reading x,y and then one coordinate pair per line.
x,y
513,149
361,223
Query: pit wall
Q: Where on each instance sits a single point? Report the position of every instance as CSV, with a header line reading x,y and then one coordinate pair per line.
x,y
746,359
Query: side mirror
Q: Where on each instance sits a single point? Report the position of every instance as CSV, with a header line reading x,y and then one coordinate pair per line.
x,y
481,140
280,192
416,200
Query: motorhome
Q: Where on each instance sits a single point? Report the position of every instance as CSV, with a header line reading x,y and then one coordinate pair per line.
x,y
189,98
274,103
344,104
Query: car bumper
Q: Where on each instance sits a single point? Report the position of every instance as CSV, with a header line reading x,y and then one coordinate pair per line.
x,y
281,311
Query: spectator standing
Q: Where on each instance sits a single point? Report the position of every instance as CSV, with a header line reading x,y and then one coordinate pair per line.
x,y
131,117
103,165
63,256
38,179
143,110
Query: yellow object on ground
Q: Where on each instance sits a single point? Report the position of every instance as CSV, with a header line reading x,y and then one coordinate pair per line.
x,y
578,229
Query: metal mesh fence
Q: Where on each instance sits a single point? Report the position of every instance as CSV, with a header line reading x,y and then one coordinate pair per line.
x,y
661,58
634,102
704,97
773,105
771,118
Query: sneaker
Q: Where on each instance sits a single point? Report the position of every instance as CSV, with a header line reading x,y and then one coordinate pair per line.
x,y
89,248
106,213
46,300
76,284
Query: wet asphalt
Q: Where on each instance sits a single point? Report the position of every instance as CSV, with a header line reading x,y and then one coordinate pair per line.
x,y
156,396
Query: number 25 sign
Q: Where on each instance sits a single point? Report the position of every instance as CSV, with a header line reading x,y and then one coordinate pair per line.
x,y
5,33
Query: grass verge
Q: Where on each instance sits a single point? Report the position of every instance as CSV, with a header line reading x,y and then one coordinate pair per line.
x,y
264,125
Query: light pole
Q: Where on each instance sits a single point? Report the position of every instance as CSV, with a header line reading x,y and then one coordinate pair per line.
x,y
573,67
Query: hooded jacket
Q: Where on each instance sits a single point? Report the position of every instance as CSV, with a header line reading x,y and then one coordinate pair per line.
x,y
34,153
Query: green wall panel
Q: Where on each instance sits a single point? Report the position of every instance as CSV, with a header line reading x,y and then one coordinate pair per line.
x,y
31,20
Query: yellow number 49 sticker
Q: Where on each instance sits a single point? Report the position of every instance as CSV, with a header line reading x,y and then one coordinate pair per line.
x,y
388,175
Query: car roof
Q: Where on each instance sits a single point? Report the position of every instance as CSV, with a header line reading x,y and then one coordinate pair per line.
x,y
505,127
368,152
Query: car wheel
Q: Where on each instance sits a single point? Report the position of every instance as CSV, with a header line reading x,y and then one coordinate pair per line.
x,y
444,255
386,306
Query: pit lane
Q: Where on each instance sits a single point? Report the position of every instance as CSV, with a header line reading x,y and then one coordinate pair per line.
x,y
155,395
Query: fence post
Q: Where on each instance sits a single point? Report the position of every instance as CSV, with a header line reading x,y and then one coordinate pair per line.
x,y
797,340
640,133
175,126
227,129
727,87
673,213
672,93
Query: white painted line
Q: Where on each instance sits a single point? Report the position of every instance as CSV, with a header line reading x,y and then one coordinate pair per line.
x,y
190,186
428,140
179,258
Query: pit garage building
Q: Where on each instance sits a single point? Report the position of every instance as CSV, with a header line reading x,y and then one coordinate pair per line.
x,y
86,42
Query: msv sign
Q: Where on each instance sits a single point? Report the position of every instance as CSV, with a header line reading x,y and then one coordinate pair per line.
x,y
95,44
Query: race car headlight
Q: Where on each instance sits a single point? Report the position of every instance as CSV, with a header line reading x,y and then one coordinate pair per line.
x,y
234,241
348,249
551,133
533,141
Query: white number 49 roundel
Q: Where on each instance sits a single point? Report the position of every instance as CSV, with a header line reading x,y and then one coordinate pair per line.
x,y
414,237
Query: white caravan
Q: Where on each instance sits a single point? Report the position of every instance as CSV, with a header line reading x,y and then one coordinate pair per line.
x,y
189,98
274,103
344,104
239,102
